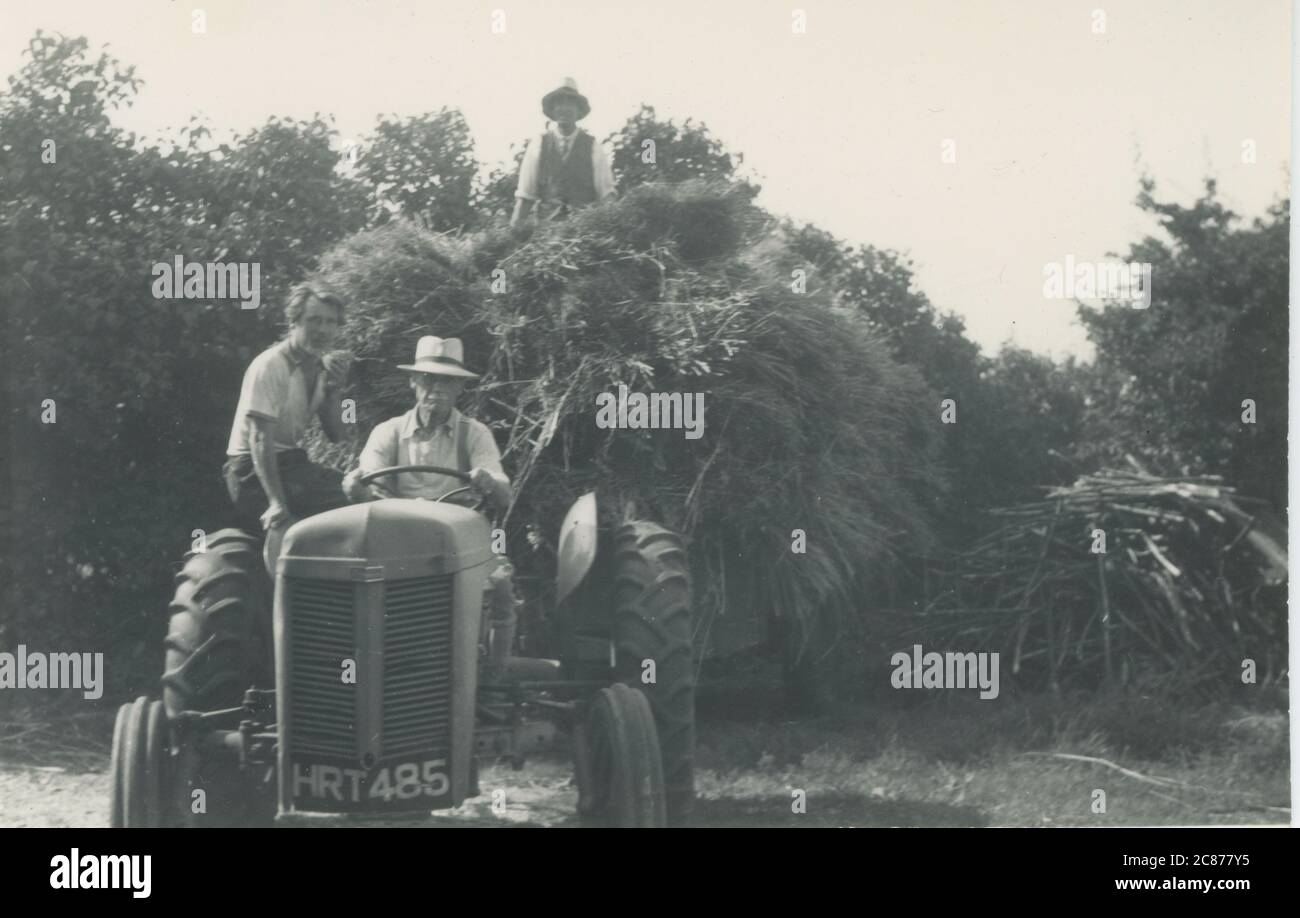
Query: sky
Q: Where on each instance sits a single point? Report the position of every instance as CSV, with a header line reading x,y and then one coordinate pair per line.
x,y
1050,110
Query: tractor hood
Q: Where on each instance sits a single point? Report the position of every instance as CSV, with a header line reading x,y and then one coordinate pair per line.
x,y
386,538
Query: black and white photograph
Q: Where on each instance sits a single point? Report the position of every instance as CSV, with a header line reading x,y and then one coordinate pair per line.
x,y
707,414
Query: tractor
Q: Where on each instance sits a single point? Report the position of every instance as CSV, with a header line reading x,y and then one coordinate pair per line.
x,y
346,665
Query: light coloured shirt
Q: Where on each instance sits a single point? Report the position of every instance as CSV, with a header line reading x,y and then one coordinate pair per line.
x,y
402,441
275,388
529,170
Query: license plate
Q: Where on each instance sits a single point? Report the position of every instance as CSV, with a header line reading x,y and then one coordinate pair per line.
x,y
408,785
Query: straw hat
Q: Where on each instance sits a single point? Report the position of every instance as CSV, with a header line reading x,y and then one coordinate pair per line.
x,y
568,91
443,356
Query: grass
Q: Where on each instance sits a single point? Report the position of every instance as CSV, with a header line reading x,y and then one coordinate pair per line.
x,y
961,761
891,758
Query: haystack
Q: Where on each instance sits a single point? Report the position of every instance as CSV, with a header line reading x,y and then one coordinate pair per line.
x,y
1124,575
809,425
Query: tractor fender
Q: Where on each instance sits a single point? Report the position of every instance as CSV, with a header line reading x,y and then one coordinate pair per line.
x,y
577,546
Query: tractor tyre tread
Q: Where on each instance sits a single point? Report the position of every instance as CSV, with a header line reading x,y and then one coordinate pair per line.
x,y
213,650
652,621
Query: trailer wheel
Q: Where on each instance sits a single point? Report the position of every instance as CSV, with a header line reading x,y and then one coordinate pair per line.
x,y
624,779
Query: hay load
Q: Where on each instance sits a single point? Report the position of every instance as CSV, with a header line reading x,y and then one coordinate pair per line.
x,y
808,423
1120,575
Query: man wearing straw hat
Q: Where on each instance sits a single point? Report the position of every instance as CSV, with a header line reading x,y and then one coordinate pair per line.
x,y
565,167
434,432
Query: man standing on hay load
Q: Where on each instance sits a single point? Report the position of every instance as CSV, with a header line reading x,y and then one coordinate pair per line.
x,y
565,167
433,432
267,472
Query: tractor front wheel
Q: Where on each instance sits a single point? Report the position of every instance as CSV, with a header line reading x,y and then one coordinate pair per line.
x,y
621,777
139,772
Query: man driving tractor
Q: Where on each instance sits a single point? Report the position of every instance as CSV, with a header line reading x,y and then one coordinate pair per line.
x,y
435,433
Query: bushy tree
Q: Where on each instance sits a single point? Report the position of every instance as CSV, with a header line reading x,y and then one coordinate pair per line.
x,y
1006,441
1175,375
495,198
422,168
647,149
140,391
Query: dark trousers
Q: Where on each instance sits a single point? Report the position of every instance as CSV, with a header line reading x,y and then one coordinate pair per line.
x,y
309,488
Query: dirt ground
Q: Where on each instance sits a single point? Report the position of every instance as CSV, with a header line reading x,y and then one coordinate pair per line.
x,y
1028,762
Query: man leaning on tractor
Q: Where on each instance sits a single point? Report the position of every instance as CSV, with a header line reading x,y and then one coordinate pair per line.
x,y
267,472
434,432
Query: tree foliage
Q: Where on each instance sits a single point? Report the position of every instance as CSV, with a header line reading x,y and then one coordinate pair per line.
x,y
423,168
1017,414
102,501
648,149
1173,377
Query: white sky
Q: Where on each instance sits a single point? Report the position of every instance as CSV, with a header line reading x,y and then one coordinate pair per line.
x,y
1053,124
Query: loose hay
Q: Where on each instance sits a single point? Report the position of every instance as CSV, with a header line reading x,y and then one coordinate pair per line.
x,y
1190,585
810,424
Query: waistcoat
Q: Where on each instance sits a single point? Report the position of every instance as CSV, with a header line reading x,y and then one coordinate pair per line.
x,y
568,180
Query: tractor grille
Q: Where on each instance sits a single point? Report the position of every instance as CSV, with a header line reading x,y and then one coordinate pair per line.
x,y
417,665
322,706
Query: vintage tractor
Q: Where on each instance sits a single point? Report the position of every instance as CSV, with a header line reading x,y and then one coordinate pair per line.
x,y
364,676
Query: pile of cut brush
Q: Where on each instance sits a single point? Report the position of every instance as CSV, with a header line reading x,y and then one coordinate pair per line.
x,y
809,424
1120,574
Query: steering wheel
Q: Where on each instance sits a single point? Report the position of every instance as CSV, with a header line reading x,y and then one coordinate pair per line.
x,y
441,470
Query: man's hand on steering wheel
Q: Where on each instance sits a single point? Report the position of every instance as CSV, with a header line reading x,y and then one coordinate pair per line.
x,y
358,492
469,478
481,479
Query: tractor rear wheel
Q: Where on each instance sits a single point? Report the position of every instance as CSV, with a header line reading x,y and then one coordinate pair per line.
x,y
653,632
624,780
217,646
214,646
